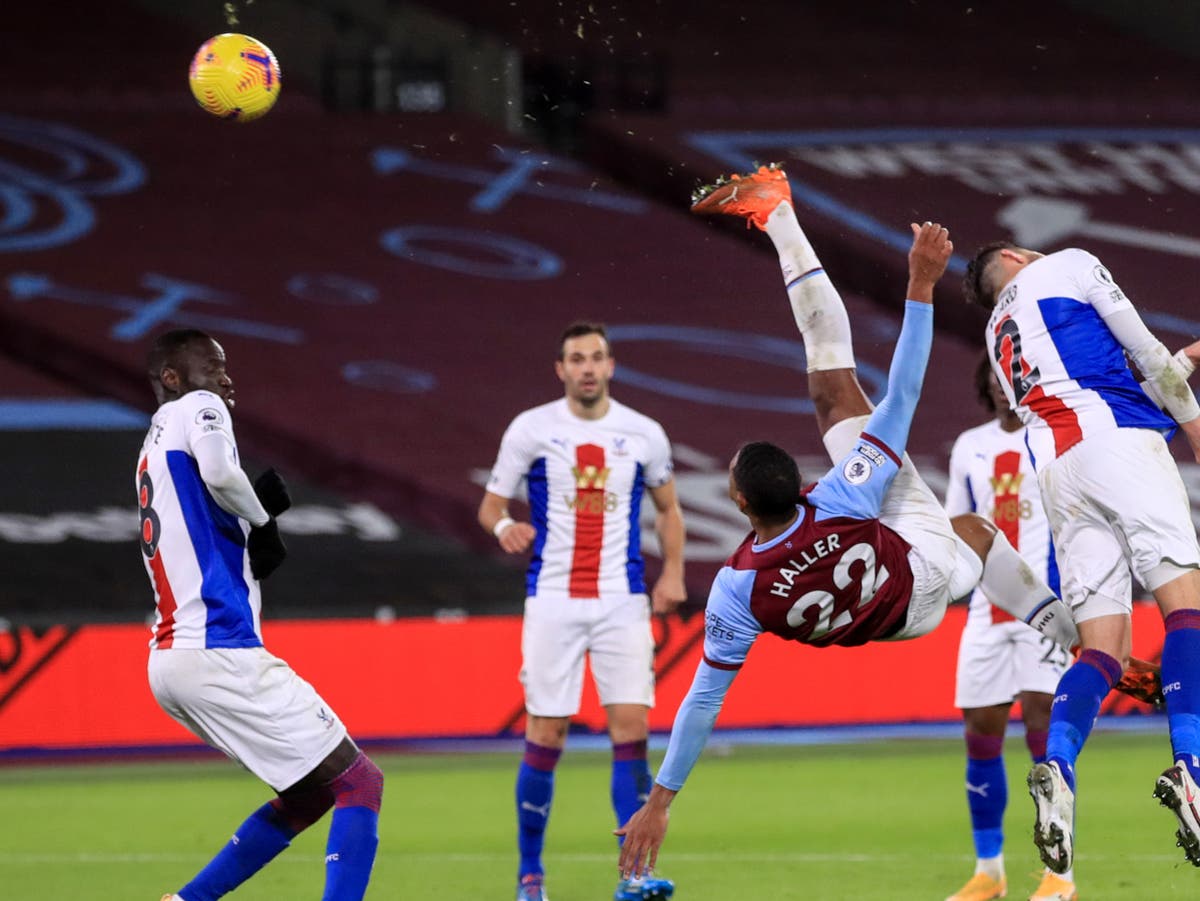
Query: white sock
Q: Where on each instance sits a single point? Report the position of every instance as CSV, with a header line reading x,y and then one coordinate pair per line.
x,y
992,866
816,304
1069,875
1010,584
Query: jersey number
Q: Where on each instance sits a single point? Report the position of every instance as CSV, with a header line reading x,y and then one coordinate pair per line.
x,y
151,528
816,607
1008,344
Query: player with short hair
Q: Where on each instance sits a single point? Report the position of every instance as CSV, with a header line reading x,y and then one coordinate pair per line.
x,y
1000,660
208,537
867,553
1058,336
587,461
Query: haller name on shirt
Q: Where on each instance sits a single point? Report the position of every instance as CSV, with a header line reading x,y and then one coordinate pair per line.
x,y
810,555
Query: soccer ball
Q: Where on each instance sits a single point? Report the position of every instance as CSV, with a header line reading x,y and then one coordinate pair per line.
x,y
235,77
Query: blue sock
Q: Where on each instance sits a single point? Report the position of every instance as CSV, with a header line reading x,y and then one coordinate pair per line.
x,y
1181,685
350,853
987,793
535,791
1076,704
256,842
353,831
630,779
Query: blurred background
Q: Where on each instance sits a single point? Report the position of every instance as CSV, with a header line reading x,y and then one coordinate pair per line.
x,y
390,255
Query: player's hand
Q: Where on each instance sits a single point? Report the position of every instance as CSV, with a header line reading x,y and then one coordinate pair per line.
x,y
1142,681
1192,351
517,538
267,550
668,593
273,493
644,834
927,259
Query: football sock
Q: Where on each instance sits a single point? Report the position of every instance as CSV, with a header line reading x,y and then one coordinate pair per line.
x,y
354,831
1181,685
992,866
987,796
535,792
630,780
1010,584
1035,740
816,304
1076,704
255,843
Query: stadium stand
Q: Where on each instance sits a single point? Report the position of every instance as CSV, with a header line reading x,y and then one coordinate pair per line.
x,y
390,287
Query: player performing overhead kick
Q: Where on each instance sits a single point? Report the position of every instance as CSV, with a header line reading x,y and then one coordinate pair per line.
x,y
867,553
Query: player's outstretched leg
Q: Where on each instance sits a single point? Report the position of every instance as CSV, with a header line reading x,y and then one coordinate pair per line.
x,y
764,199
1054,826
1008,581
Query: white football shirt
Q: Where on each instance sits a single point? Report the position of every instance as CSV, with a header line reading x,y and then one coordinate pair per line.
x,y
194,551
991,474
585,480
1062,368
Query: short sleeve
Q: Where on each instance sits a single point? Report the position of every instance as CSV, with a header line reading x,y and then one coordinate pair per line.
x,y
959,499
659,465
1096,284
856,485
204,415
518,449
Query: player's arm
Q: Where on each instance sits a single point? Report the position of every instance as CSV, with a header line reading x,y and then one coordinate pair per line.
x,y
856,484
959,498
512,464
514,537
730,631
927,259
647,828
669,591
228,483
1166,374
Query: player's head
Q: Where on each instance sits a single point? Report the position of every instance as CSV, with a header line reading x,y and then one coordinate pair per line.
x,y
992,268
184,360
764,482
585,363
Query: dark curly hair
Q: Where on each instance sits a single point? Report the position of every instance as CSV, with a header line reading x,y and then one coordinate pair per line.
x,y
976,289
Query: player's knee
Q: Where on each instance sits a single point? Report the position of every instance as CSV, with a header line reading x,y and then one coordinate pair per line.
x,y
976,532
360,785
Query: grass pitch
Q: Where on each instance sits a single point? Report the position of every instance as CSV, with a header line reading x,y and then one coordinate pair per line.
x,y
875,821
